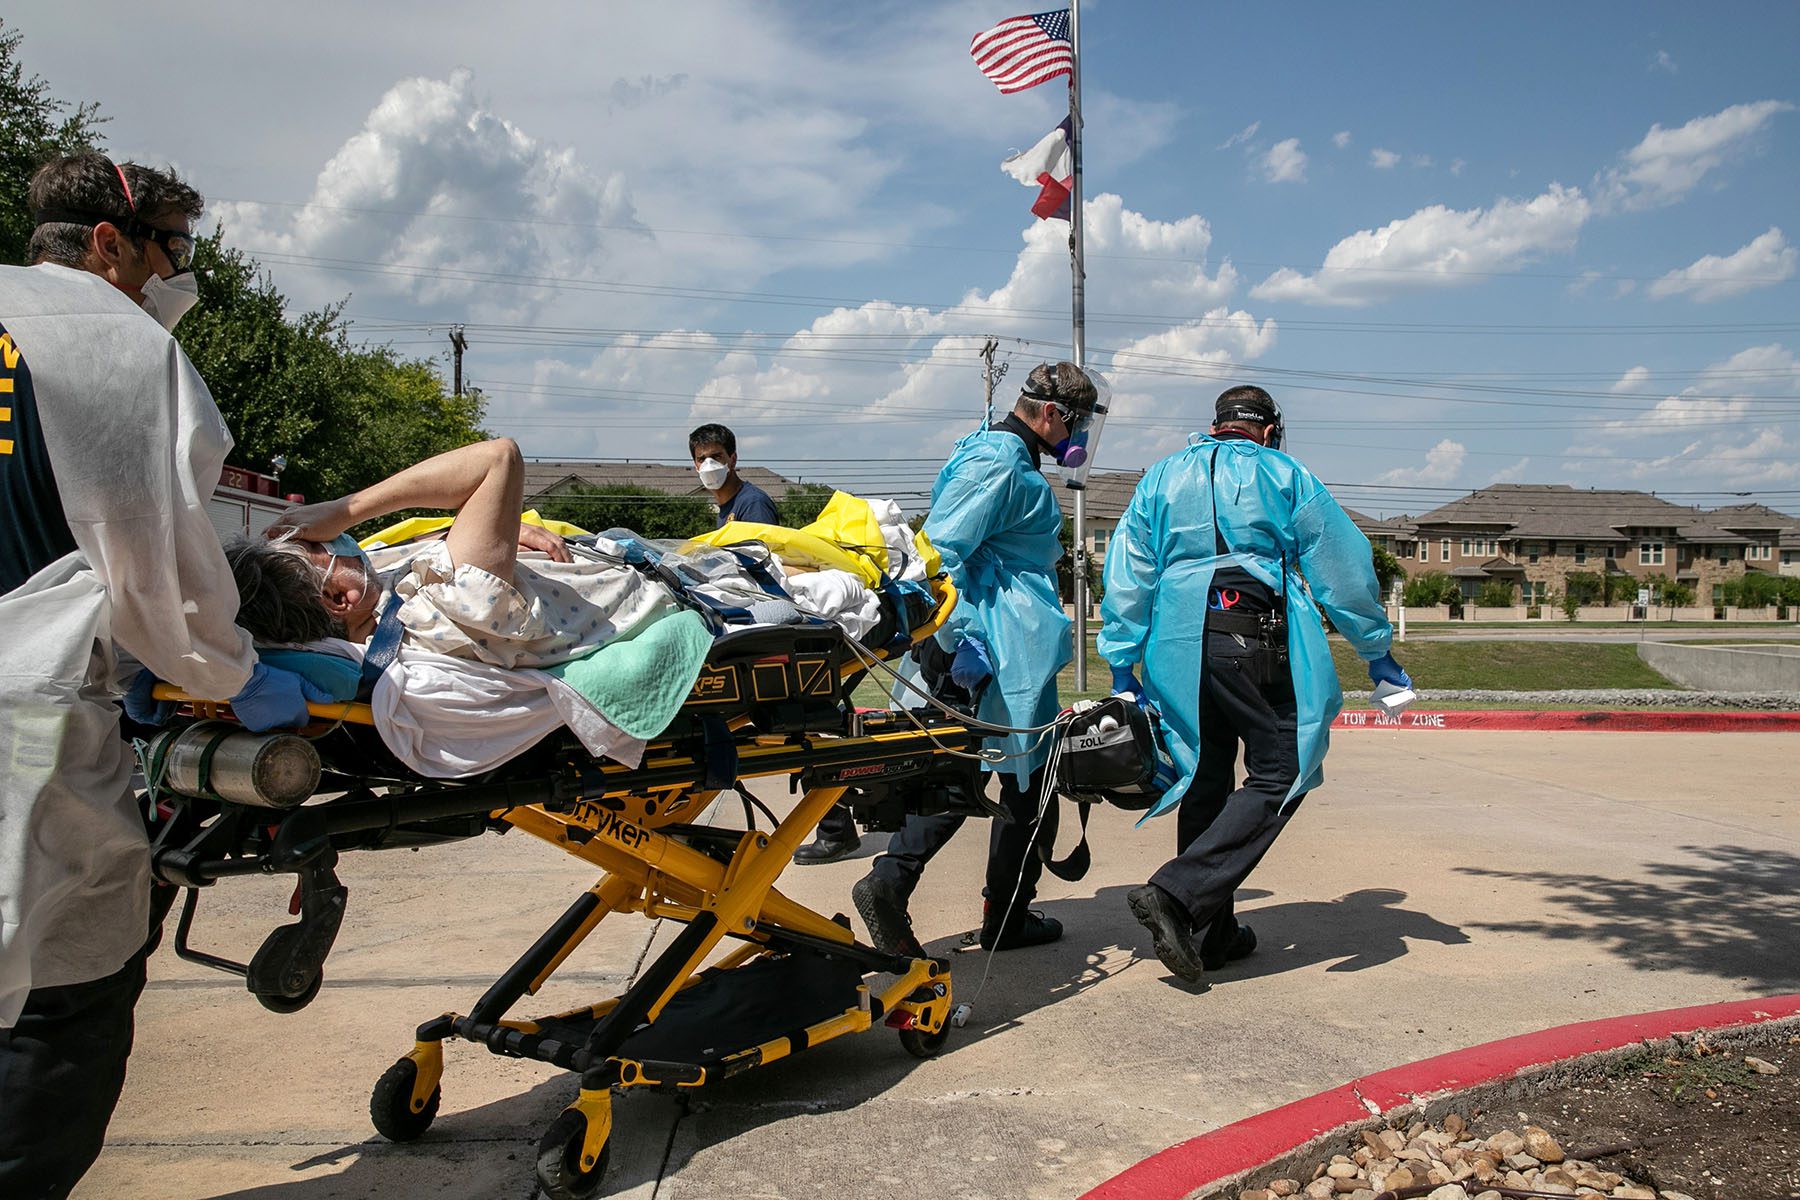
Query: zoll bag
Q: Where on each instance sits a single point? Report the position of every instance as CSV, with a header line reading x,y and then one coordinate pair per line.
x,y
1111,753
1108,755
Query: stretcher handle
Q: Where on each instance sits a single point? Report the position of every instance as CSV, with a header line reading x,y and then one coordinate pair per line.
x,y
349,712
945,591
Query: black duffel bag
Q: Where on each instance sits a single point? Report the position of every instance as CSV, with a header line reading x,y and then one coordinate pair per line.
x,y
1110,753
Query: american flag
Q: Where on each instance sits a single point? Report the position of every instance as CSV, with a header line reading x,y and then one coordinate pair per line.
x,y
1022,52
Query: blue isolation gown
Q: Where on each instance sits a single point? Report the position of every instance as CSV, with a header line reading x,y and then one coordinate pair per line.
x,y
995,520
1279,524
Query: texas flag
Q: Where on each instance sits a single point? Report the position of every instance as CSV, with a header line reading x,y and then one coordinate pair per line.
x,y
1049,165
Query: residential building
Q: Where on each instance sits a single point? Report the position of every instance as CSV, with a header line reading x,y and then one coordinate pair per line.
x,y
1533,536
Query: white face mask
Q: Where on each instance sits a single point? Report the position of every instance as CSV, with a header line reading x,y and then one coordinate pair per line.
x,y
169,299
713,473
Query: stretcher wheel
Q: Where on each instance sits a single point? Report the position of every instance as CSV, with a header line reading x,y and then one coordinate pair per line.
x,y
292,1004
390,1106
559,1170
920,1044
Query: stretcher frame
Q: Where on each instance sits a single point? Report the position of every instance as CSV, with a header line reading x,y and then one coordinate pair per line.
x,y
623,821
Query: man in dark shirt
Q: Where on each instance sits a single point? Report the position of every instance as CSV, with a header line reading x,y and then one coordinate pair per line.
x,y
714,449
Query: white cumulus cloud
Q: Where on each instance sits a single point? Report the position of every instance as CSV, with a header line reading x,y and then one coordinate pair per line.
x,y
1383,160
1763,262
1632,380
429,149
1285,162
1436,247
1728,390
1669,163
1443,463
1341,138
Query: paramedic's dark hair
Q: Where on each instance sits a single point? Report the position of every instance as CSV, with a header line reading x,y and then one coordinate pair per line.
x,y
1247,396
712,435
279,598
1064,382
87,183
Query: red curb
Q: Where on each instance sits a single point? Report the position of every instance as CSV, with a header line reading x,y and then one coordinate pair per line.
x,y
1601,722
1199,1162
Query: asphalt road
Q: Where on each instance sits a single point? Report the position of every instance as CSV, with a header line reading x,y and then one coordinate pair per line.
x,y
1442,889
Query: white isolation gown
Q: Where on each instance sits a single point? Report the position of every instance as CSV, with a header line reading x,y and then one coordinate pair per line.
x,y
136,444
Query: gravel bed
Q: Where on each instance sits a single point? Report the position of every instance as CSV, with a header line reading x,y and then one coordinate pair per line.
x,y
1448,1161
1611,698
1690,1118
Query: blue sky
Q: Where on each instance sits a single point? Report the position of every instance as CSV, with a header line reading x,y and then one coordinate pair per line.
x,y
1460,244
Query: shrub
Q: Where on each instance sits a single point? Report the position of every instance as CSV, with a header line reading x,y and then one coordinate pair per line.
x,y
1495,593
1430,588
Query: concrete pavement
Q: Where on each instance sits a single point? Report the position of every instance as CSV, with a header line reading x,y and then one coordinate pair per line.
x,y
1441,889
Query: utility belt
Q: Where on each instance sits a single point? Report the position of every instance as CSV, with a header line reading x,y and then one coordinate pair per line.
x,y
1269,664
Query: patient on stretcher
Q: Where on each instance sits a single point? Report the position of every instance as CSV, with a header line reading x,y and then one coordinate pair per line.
x,y
503,635
466,596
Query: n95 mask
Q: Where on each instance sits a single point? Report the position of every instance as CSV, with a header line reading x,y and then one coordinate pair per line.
x,y
713,473
168,300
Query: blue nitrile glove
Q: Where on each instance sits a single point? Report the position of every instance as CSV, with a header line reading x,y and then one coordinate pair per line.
x,y
139,705
276,699
1125,683
970,665
1386,670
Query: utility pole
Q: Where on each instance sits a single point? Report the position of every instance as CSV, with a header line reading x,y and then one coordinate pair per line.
x,y
991,376
458,344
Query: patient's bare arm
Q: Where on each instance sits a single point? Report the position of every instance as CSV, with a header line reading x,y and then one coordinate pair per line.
x,y
483,482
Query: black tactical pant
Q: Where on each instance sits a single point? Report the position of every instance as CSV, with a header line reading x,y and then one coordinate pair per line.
x,y
1012,861
62,1066
1222,830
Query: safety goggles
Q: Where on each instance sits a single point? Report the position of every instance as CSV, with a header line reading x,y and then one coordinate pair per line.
x,y
177,244
1076,419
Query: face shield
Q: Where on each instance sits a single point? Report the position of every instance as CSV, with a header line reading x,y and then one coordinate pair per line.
x,y
1075,454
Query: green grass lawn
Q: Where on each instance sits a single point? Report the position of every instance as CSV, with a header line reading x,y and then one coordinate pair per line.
x,y
1508,666
1443,666
1453,666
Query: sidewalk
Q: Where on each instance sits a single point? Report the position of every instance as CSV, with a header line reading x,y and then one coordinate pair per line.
x,y
1442,889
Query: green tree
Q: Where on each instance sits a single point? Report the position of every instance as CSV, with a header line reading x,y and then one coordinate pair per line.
x,y
1666,591
34,127
803,504
1618,587
649,514
1582,587
1387,569
1430,588
1571,605
1495,593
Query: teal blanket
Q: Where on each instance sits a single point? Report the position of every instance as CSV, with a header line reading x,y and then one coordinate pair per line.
x,y
640,681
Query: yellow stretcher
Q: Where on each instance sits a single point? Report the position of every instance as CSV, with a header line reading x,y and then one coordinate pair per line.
x,y
771,703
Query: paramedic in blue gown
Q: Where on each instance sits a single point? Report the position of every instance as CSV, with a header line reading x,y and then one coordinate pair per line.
x,y
1215,580
995,520
110,446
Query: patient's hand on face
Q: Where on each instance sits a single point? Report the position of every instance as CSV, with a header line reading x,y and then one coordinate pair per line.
x,y
312,522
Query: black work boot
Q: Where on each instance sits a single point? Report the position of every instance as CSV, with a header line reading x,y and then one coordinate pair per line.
x,y
1026,928
827,850
883,910
1240,944
1171,929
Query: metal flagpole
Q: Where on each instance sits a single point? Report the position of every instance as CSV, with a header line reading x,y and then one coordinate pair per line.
x,y
1078,310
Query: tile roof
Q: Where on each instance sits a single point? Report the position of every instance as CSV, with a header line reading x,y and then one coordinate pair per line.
x,y
1108,493
1559,511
